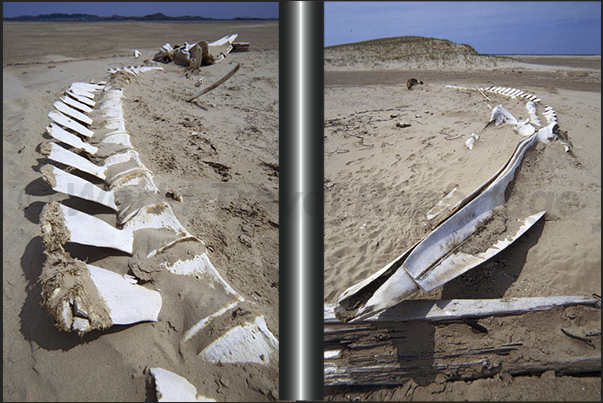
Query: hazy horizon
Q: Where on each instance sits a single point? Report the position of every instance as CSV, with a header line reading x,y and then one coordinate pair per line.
x,y
217,10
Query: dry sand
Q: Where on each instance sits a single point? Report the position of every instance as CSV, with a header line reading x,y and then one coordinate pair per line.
x,y
381,179
219,152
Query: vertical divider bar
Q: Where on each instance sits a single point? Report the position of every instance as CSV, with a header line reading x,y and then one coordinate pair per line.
x,y
301,99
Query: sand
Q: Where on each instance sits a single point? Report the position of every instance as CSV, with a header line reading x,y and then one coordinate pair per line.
x,y
382,176
220,153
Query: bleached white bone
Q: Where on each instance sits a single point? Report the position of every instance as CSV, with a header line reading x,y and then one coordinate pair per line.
x,y
77,90
113,113
73,185
224,40
143,179
471,140
82,99
88,86
57,153
171,387
137,53
86,89
76,104
70,112
81,297
545,134
128,302
438,258
66,137
118,124
252,343
115,101
89,230
111,104
118,137
525,128
532,113
63,120
550,114
501,115
461,224
446,204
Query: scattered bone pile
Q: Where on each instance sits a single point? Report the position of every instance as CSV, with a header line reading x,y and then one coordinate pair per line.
x,y
530,125
98,162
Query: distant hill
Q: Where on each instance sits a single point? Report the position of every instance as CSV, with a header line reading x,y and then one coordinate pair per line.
x,y
150,17
404,51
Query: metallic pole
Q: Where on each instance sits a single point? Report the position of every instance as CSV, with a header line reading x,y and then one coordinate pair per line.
x,y
301,200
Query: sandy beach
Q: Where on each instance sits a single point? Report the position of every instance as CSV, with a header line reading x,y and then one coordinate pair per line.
x,y
219,152
391,154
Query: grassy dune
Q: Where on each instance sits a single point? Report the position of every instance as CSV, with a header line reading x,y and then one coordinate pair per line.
x,y
407,52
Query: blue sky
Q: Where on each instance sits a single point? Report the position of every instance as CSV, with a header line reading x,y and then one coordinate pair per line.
x,y
175,9
566,27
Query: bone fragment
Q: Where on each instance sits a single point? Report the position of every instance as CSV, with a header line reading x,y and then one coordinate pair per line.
x,y
531,107
76,104
84,100
69,111
64,182
89,230
249,343
216,84
70,124
57,153
171,387
127,302
471,140
66,137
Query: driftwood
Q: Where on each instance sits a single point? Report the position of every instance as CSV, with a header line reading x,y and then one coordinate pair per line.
x,y
217,83
240,47
431,311
422,339
393,375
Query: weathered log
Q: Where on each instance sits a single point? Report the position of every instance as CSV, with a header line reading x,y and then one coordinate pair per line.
x,y
422,339
458,309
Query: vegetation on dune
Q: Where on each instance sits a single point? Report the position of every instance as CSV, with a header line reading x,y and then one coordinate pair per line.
x,y
411,51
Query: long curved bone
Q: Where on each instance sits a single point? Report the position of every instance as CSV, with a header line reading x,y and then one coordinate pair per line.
x,y
438,258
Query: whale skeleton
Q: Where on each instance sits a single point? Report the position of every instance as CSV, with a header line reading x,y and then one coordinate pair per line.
x,y
527,126
442,254
80,297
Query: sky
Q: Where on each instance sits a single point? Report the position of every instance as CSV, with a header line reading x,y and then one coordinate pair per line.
x,y
134,9
555,27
